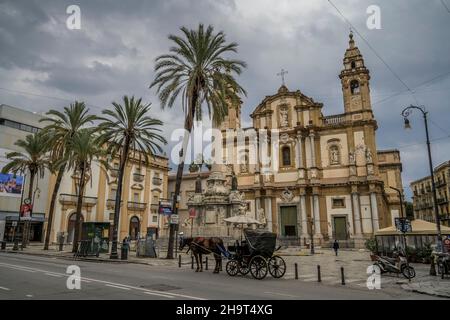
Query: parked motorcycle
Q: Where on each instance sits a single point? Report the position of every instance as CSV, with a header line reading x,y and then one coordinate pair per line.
x,y
397,264
443,263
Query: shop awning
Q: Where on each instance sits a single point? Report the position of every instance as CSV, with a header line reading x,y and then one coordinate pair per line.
x,y
418,226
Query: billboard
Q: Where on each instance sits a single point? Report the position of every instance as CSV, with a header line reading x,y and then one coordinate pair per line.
x,y
10,185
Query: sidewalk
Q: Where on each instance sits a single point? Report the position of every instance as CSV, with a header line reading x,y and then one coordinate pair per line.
x,y
37,250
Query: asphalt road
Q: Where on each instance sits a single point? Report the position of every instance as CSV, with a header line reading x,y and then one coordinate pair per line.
x,y
32,277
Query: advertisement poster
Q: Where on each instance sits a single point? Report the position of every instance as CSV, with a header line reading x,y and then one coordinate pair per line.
x,y
10,185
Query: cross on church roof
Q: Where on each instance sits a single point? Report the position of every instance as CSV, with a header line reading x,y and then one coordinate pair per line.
x,y
282,73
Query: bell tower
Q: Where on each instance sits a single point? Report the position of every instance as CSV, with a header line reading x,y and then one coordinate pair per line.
x,y
355,81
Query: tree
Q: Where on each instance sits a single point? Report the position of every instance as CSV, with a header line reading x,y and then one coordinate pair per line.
x,y
197,68
82,149
61,128
128,131
32,160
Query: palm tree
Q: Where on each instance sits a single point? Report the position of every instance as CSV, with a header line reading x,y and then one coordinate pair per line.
x,y
82,149
60,129
197,68
128,131
33,160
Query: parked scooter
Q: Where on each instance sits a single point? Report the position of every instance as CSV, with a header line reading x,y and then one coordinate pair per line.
x,y
397,264
443,263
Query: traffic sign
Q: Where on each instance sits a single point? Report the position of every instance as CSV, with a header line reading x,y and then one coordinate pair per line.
x,y
174,219
14,224
403,225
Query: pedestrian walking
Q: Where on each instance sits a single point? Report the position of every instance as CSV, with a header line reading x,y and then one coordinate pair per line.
x,y
336,247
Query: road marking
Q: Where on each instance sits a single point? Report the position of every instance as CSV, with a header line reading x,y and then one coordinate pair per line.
x,y
147,291
3,288
53,275
118,287
29,296
281,294
158,294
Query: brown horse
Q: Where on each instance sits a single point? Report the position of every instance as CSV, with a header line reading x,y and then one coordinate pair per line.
x,y
200,246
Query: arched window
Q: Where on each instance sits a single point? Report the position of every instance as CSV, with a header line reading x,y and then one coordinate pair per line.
x,y
335,155
353,64
354,87
286,156
134,228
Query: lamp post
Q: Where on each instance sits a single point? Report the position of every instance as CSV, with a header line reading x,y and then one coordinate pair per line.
x,y
405,113
400,196
312,235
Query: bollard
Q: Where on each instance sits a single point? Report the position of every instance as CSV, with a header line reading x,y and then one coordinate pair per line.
x,y
342,276
319,278
296,271
3,245
192,262
16,245
179,261
432,267
206,263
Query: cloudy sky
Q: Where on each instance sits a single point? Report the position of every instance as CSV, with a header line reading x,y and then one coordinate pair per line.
x,y
44,65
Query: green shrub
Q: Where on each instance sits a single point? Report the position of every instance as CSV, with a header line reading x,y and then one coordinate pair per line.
x,y
371,244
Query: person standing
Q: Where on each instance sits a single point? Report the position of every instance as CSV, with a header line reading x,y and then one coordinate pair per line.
x,y
336,247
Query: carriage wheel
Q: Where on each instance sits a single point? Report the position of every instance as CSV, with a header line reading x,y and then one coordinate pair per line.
x,y
244,268
232,267
258,267
277,266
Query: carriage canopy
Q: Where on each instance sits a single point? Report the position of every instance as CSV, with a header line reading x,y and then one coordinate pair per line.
x,y
261,242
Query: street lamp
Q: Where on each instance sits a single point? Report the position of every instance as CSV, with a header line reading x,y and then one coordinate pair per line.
x,y
400,196
405,113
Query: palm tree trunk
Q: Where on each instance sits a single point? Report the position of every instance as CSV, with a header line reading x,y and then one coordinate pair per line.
x,y
122,168
188,123
76,237
52,206
26,224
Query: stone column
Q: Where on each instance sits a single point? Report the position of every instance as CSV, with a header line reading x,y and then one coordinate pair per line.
x,y
268,212
313,150
374,208
317,231
356,214
304,217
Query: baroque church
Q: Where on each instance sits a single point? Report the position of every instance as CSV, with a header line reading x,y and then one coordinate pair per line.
x,y
332,182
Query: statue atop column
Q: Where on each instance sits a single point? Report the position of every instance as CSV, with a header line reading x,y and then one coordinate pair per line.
x,y
198,185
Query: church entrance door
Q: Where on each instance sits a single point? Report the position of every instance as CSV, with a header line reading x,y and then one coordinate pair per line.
x,y
288,219
340,228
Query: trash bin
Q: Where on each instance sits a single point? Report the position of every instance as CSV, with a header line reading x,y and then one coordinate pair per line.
x,y
124,250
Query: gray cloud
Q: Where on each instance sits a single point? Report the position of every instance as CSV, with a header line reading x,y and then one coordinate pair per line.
x,y
113,54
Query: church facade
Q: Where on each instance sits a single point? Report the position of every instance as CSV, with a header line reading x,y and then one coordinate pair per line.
x,y
331,180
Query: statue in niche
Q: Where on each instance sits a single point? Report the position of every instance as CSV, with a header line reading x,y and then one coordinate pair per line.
x,y
351,158
262,216
234,182
284,117
369,158
334,155
198,185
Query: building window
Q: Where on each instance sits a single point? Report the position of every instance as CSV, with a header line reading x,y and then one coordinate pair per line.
x,y
136,197
353,64
354,87
338,203
155,219
335,156
113,194
286,156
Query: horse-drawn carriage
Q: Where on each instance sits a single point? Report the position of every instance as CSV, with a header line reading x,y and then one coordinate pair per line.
x,y
255,255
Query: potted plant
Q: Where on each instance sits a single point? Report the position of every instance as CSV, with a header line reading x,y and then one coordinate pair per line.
x,y
371,245
193,167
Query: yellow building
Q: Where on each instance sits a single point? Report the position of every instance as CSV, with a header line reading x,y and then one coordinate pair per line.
x,y
423,195
143,187
331,181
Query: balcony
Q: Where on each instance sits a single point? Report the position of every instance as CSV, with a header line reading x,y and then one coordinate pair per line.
x,y
114,172
137,177
157,181
137,206
440,183
442,200
72,199
334,120
111,203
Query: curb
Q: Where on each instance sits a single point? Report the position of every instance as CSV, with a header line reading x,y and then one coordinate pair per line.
x,y
98,260
407,288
